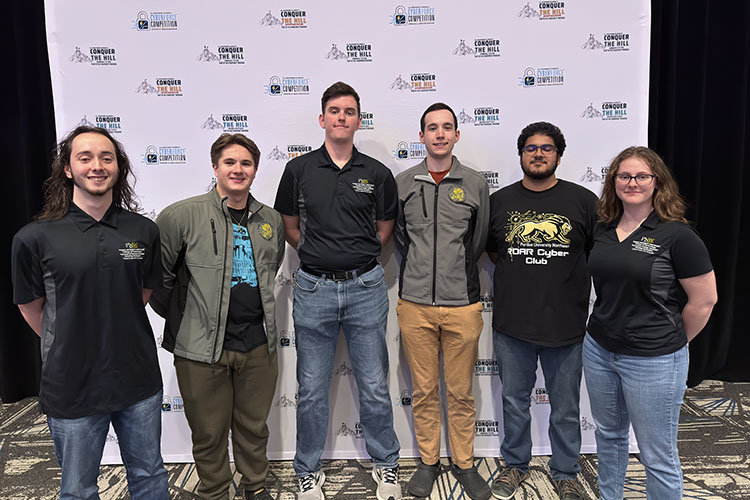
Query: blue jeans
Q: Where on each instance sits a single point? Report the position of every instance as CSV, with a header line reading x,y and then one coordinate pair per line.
x,y
517,363
79,443
646,391
322,307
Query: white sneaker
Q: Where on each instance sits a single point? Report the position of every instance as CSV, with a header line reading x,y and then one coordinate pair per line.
x,y
310,486
387,479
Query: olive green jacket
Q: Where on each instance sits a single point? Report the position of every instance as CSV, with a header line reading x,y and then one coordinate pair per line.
x,y
197,243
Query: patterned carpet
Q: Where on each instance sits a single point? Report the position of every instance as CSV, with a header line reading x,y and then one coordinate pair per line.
x,y
714,439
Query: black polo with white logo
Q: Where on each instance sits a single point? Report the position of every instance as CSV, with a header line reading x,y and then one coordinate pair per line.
x,y
98,349
337,208
639,300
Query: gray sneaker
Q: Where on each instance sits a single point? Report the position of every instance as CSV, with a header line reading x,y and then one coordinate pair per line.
x,y
310,486
568,489
505,485
387,479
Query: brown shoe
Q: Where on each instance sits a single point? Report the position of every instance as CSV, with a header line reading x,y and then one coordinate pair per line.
x,y
505,485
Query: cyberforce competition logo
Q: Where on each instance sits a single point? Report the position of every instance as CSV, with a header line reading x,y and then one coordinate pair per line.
x,y
353,52
418,82
173,403
479,47
404,399
409,16
608,110
542,77
486,428
480,117
165,87
537,237
544,11
155,21
224,54
409,151
96,56
164,155
110,123
288,85
230,122
609,42
287,18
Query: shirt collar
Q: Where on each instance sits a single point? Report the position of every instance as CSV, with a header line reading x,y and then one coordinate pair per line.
x,y
324,159
651,221
84,221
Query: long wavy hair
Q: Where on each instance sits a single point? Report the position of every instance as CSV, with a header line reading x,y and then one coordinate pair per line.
x,y
58,188
669,205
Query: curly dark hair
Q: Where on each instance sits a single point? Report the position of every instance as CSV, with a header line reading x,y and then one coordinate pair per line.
x,y
542,128
669,204
58,188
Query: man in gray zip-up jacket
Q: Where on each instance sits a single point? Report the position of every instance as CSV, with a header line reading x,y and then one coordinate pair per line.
x,y
441,230
221,252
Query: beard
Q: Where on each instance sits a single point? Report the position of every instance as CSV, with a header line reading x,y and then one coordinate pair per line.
x,y
537,174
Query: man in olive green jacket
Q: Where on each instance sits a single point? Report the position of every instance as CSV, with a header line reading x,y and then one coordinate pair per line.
x,y
220,254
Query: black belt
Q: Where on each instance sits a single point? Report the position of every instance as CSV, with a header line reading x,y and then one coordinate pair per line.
x,y
341,275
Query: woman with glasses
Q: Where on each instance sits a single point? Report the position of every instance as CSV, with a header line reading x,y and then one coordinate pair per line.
x,y
655,289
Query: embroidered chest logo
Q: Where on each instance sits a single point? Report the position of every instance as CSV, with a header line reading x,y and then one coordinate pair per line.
x,y
457,194
363,186
132,251
266,231
645,245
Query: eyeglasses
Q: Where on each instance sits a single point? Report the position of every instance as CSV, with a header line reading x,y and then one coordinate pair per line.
x,y
546,148
640,179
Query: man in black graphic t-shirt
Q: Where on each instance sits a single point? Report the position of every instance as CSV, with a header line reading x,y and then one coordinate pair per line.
x,y
220,253
540,232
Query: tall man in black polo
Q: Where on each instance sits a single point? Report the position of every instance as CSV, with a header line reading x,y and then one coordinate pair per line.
x,y
82,273
339,207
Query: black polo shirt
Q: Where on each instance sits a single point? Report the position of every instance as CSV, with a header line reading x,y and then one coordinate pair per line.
x,y
98,349
639,300
337,208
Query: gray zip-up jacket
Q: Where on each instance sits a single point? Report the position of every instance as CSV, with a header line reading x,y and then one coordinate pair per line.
x,y
441,230
197,245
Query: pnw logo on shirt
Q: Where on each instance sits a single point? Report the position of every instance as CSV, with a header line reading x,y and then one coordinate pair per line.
x,y
132,251
537,236
645,245
363,186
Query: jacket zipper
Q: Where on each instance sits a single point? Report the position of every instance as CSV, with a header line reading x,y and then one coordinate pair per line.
x,y
213,231
424,203
434,245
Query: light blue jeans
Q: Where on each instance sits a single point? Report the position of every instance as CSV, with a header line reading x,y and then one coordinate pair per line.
x,y
517,363
322,307
646,391
79,443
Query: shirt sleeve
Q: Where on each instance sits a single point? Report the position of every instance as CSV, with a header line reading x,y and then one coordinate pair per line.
x,y
491,243
152,269
689,254
387,197
26,269
483,220
288,193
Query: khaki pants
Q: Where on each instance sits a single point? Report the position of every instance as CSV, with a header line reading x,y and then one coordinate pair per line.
x,y
425,330
234,393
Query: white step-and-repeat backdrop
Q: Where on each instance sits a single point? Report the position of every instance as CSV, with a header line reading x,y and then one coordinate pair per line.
x,y
167,77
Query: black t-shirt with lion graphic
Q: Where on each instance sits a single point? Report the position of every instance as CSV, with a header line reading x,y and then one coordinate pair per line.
x,y
541,283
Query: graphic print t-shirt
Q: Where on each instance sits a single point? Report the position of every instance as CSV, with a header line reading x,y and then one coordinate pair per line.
x,y
244,329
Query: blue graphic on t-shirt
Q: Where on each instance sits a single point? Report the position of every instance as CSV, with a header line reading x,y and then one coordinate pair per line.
x,y
243,263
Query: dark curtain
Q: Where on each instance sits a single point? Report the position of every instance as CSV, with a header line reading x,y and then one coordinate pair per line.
x,y
699,121
26,142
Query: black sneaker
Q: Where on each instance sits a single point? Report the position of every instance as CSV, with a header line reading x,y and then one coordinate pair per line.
x,y
506,484
474,486
261,494
569,489
420,484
